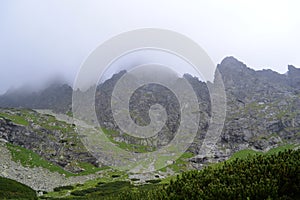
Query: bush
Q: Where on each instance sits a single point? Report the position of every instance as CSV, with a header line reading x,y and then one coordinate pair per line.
x,y
103,189
153,181
259,177
135,179
84,192
68,187
10,189
100,183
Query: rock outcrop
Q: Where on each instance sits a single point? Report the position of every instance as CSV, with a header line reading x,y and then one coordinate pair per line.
x,y
54,140
262,107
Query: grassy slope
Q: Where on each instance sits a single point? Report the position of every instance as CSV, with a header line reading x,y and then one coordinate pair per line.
x,y
10,189
31,159
123,145
15,118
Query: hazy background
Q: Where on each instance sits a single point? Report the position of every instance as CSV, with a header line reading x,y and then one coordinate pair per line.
x,y
40,40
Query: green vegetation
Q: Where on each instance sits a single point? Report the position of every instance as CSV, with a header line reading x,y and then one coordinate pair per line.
x,y
106,185
248,174
31,159
34,119
281,148
154,181
26,117
68,187
89,169
10,189
247,170
181,164
244,154
103,190
274,176
248,153
69,113
123,145
15,118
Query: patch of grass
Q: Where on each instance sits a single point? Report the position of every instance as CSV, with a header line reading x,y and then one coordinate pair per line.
x,y
134,147
89,168
123,145
249,153
89,186
27,116
181,164
31,159
168,179
69,113
15,119
106,190
244,154
281,149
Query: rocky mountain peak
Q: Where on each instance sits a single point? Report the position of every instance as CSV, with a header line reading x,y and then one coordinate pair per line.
x,y
292,68
232,63
294,77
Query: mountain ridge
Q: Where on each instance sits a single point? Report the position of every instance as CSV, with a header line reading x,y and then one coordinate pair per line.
x,y
262,109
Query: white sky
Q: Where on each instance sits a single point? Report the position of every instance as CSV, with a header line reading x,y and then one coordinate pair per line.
x,y
40,39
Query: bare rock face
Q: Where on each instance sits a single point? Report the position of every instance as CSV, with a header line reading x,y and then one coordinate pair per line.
x,y
263,106
141,101
294,77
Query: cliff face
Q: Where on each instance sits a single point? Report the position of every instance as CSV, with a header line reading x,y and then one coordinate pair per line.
x,y
262,106
263,111
54,140
294,77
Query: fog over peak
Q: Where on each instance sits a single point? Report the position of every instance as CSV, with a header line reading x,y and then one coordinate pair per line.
x,y
38,85
40,39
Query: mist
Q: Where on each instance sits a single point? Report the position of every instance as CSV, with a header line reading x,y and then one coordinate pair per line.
x,y
47,41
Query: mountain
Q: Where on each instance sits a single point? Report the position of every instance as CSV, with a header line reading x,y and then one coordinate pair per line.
x,y
57,97
262,112
262,109
262,106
